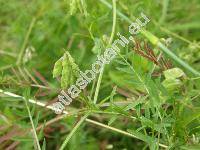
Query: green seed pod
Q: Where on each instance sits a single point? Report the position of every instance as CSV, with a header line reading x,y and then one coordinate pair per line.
x,y
67,68
65,72
57,70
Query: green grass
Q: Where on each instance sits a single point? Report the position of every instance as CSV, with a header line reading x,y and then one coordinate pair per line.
x,y
132,104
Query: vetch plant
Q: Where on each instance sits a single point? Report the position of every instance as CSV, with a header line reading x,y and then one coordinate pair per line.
x,y
132,90
66,67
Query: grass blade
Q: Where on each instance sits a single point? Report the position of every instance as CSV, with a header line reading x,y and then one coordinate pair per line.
x,y
27,93
73,131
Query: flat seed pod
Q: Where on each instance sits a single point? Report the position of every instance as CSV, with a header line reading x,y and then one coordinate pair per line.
x,y
73,65
67,69
57,70
65,72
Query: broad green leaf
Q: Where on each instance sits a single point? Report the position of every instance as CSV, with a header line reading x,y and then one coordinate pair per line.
x,y
153,91
126,80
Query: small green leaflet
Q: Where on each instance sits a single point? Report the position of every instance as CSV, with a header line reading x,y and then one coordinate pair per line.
x,y
97,46
173,79
174,73
67,68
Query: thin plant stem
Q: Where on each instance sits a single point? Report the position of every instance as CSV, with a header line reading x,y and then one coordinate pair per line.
x,y
87,120
98,86
7,53
118,130
138,76
73,131
164,29
33,126
114,21
165,4
19,60
30,100
155,41
195,78
110,41
174,57
93,86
